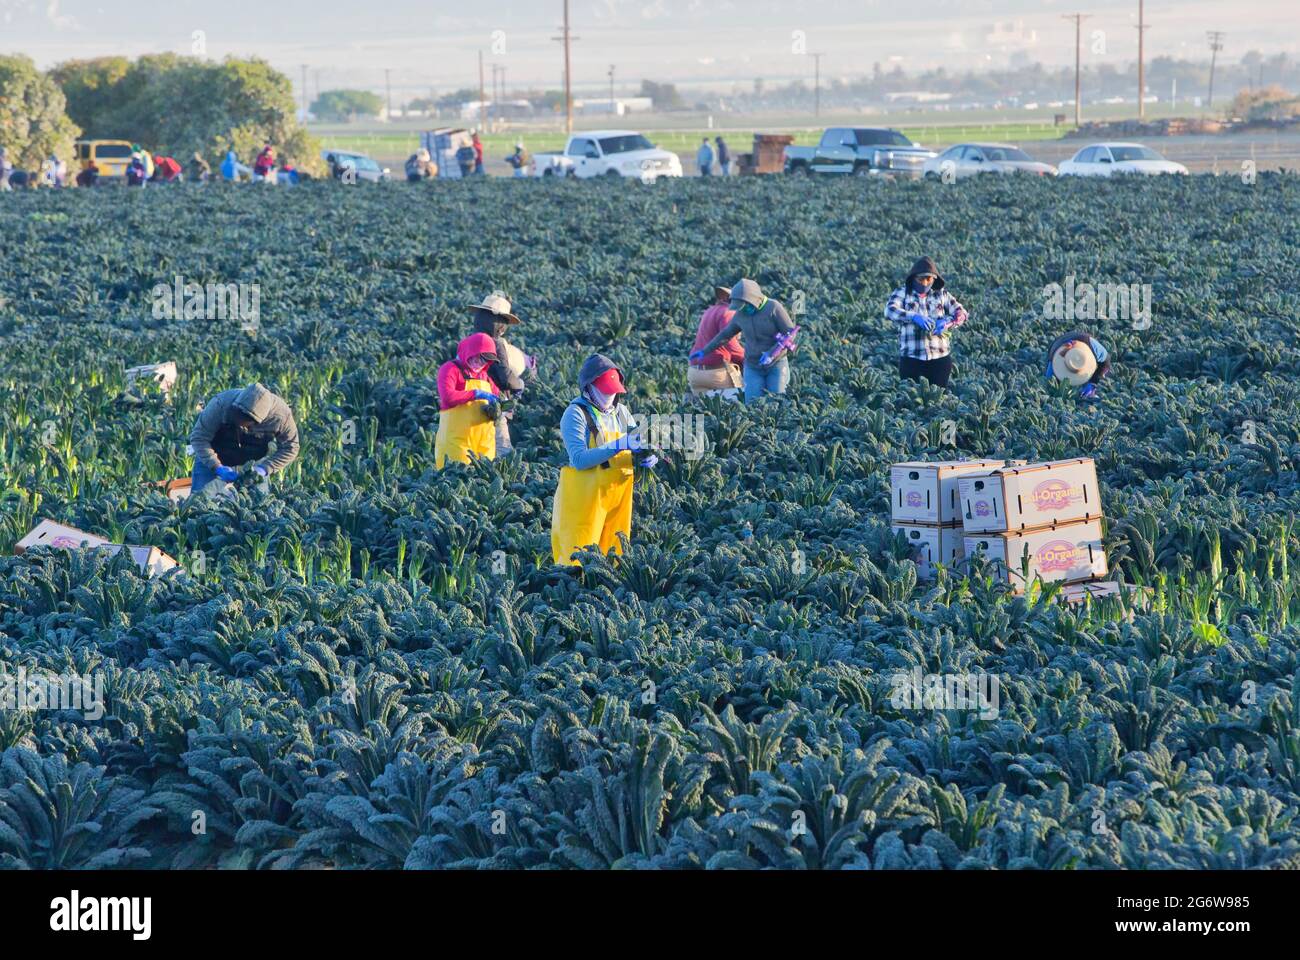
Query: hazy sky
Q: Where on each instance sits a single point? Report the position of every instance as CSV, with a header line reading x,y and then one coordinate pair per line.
x,y
434,43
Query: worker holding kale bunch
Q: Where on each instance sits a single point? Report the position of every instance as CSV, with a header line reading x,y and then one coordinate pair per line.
x,y
925,314
719,372
1078,359
512,365
233,435
593,503
769,336
469,403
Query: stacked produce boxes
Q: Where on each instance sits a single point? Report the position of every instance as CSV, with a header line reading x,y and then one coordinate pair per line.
x,y
1037,520
926,507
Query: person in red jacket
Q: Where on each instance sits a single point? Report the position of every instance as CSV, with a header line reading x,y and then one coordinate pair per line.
x,y
478,153
264,165
719,371
468,401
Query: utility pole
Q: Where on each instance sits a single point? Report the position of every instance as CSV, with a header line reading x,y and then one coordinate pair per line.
x,y
482,96
1216,44
567,38
817,83
388,95
304,92
1142,73
1078,19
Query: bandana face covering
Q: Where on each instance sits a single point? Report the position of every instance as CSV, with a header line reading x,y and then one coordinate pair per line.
x,y
603,400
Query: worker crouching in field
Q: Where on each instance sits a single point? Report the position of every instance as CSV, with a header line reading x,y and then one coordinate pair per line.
x,y
769,335
719,371
469,403
233,435
507,371
1078,359
925,313
593,503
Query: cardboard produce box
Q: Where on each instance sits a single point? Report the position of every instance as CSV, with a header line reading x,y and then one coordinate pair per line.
x,y
1076,593
922,492
1030,497
175,490
932,545
163,374
1072,552
47,533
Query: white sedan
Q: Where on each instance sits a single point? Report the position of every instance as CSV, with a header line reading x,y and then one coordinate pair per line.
x,y
968,159
1104,159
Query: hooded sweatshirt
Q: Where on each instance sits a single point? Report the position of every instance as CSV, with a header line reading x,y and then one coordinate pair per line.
x,y
453,375
217,441
575,428
759,328
499,372
934,304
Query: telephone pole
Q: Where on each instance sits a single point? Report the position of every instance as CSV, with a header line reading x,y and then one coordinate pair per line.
x,y
1078,19
567,38
482,96
1142,74
817,83
1216,44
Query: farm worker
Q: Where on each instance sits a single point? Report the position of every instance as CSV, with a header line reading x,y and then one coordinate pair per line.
x,y
234,432
89,176
231,168
199,169
719,370
146,156
420,166
704,158
264,165
493,317
724,157
478,153
468,400
465,159
593,502
519,160
135,172
769,337
288,174
166,170
925,313
1078,359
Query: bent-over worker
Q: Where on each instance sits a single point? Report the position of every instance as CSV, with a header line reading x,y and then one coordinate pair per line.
x,y
768,335
232,436
593,502
467,398
718,371
1079,359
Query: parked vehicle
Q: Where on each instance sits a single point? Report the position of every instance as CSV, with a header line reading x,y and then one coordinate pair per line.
x,y
863,151
366,168
1105,159
607,153
112,157
968,159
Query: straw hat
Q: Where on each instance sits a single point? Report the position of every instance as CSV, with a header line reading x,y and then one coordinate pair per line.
x,y
1074,362
497,305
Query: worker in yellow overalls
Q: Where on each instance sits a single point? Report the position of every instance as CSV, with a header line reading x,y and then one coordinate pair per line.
x,y
468,400
593,503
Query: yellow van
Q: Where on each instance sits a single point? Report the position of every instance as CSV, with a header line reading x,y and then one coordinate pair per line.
x,y
111,156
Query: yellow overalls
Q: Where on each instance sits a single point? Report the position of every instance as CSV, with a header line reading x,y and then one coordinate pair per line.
x,y
465,429
593,506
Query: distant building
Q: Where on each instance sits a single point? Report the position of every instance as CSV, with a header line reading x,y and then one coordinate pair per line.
x,y
472,110
618,107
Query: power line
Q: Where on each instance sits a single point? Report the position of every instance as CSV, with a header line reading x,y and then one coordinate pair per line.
x,y
1078,19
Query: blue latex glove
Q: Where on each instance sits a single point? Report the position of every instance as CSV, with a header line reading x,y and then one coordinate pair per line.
x,y
941,326
261,471
228,474
922,321
649,462
1088,391
486,395
697,356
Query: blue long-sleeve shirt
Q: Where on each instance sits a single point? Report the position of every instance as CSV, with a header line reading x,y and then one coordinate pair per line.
x,y
573,429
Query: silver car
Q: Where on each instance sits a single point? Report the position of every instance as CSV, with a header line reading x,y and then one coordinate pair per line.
x,y
363,166
968,159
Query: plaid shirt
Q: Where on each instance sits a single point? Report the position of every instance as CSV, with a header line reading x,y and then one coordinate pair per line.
x,y
912,340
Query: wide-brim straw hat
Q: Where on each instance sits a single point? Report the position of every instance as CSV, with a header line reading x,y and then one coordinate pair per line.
x,y
1074,362
498,305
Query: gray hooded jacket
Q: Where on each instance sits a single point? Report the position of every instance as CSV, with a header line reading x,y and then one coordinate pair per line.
x,y
218,441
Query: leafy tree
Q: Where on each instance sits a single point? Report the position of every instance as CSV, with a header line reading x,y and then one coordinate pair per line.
x,y
347,105
664,96
33,121
93,89
1265,103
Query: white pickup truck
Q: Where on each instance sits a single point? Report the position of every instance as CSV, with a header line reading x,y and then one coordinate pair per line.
x,y
608,153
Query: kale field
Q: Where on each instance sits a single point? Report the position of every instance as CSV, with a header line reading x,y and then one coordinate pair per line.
x,y
376,665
